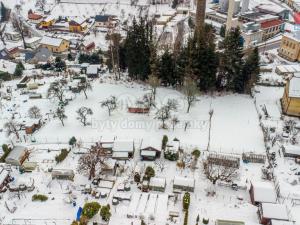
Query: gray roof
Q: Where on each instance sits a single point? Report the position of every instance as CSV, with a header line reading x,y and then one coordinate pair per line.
x,y
16,153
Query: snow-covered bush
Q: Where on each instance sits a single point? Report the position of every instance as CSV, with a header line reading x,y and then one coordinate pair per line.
x,y
90,209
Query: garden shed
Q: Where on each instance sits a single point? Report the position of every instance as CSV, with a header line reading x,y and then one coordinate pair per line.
x,y
262,192
229,222
157,184
272,211
63,174
123,149
183,184
291,151
17,156
150,153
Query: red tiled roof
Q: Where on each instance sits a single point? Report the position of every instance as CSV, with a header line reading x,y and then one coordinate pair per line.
x,y
33,16
271,23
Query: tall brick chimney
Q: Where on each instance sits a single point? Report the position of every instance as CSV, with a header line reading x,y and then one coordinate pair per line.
x,y
200,13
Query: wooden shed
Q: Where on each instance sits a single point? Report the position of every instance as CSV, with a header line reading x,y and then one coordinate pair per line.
x,y
183,184
63,174
157,184
272,211
150,153
262,192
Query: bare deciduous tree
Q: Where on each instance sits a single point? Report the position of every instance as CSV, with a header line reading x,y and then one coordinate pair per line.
x,y
84,87
56,90
2,32
154,83
160,164
19,26
60,114
12,127
216,173
83,113
110,103
174,121
92,161
164,113
190,91
34,112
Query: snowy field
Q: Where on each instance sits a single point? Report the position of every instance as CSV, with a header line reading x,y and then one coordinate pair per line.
x,y
234,115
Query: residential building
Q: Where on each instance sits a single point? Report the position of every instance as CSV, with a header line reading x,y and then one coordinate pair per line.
x,y
55,45
77,25
290,101
47,22
104,21
34,18
271,28
290,46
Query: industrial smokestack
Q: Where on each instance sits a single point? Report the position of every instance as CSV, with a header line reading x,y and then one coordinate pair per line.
x,y
245,6
200,13
229,15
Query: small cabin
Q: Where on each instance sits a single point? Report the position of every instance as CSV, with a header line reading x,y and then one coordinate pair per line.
x,y
262,192
32,125
141,110
123,150
290,101
183,184
63,174
150,154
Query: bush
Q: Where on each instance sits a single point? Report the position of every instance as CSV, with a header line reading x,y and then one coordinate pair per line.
x,y
6,151
90,209
196,153
137,178
105,213
164,142
150,172
72,141
38,197
61,157
205,220
186,201
172,156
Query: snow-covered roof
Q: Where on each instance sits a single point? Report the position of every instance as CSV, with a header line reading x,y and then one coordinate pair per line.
x,y
148,153
7,66
16,153
51,41
92,69
77,19
120,155
264,192
294,68
294,87
3,174
274,211
184,181
158,182
49,18
292,149
123,146
280,222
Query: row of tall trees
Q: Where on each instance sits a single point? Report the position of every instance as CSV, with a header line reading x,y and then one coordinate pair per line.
x,y
211,68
